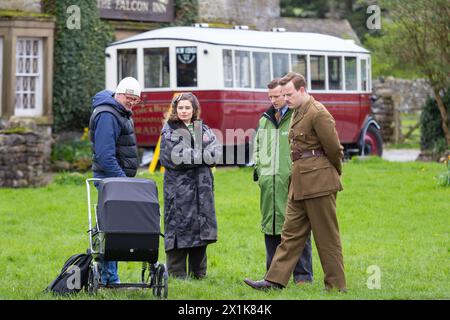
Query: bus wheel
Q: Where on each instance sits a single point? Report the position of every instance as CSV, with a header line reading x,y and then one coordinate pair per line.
x,y
373,144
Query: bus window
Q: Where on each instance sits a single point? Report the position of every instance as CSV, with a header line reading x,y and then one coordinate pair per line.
x,y
126,63
363,75
299,64
242,61
280,62
261,63
156,68
228,68
317,72
186,66
335,73
350,73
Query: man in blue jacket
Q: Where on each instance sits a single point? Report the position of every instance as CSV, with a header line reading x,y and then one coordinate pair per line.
x,y
114,142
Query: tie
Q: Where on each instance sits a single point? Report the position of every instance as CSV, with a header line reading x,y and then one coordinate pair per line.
x,y
278,116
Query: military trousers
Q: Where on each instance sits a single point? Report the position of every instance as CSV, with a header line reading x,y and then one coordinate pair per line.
x,y
302,216
303,271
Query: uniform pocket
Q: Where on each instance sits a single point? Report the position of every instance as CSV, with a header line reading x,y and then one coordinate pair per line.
x,y
318,180
302,136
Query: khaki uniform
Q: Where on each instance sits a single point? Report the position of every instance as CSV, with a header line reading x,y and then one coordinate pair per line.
x,y
315,182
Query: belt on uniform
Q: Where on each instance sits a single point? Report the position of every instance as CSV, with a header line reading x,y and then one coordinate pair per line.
x,y
303,154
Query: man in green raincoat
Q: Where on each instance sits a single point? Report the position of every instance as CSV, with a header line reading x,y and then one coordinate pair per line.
x,y
272,171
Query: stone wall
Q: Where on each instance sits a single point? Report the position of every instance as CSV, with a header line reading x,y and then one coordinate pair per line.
x,y
265,14
24,157
258,14
21,5
397,95
409,95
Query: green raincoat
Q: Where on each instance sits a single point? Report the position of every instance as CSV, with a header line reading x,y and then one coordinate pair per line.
x,y
273,169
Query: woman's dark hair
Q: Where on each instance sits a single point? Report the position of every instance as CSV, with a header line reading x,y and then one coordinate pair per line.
x,y
172,114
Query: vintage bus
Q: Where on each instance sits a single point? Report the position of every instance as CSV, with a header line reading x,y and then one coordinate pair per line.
x,y
229,69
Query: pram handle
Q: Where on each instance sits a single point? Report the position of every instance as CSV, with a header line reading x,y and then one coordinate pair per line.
x,y
88,187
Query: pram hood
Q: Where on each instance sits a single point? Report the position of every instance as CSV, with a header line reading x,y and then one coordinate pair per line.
x,y
128,205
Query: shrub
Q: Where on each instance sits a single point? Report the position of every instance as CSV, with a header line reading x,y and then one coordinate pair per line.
x,y
432,136
444,178
77,153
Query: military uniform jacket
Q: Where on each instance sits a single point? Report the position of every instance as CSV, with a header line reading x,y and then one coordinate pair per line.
x,y
313,127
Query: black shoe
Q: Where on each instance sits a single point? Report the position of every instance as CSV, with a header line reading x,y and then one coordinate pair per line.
x,y
263,284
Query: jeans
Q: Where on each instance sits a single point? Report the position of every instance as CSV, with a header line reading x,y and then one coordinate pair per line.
x,y
108,272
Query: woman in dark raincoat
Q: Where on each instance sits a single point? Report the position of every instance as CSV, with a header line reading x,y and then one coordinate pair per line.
x,y
188,149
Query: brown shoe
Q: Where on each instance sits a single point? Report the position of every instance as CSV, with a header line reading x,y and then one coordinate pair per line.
x,y
263,284
302,282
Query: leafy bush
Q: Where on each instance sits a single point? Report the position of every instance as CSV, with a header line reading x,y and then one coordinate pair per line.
x,y
77,153
444,178
432,136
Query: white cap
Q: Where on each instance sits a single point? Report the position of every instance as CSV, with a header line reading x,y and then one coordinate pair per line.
x,y
129,85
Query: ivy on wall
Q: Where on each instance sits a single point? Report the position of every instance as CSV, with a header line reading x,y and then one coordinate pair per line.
x,y
79,60
186,12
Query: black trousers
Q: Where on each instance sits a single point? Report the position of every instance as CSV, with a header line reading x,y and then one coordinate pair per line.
x,y
303,269
196,262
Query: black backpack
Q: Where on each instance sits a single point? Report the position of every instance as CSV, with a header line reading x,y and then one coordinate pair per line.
x,y
73,277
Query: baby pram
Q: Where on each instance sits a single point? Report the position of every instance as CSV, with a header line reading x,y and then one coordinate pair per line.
x,y
127,229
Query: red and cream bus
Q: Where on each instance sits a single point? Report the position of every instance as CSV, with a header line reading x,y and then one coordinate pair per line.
x,y
228,70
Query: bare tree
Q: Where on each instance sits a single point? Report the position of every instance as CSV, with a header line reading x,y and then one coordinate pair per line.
x,y
419,39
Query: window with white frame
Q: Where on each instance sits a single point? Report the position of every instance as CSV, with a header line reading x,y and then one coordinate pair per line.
x,y
317,72
228,68
186,66
280,63
334,73
364,83
126,64
261,69
156,68
350,74
242,67
300,64
28,97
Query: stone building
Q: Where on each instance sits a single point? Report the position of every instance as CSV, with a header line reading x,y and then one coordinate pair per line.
x,y
26,64
265,15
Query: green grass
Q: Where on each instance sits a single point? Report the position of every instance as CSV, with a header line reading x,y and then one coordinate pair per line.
x,y
392,215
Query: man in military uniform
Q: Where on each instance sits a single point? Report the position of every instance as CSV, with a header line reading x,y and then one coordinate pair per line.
x,y
316,154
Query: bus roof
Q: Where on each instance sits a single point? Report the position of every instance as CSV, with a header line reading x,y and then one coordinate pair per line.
x,y
250,38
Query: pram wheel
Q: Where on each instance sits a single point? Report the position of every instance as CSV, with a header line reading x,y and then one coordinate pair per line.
x,y
160,288
93,278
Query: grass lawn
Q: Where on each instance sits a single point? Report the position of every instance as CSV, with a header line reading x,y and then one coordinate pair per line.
x,y
391,215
